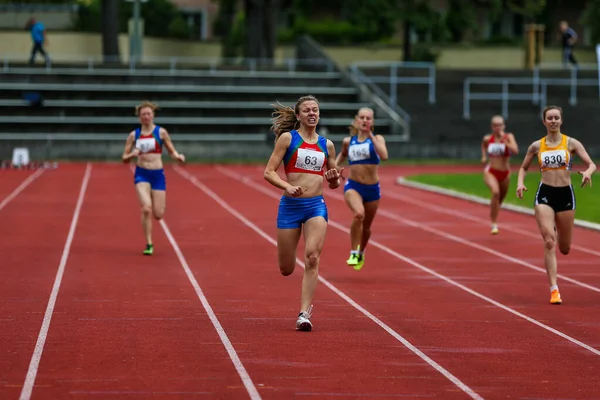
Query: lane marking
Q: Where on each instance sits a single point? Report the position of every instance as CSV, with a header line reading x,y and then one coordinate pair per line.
x,y
449,211
41,340
271,193
235,359
333,288
20,188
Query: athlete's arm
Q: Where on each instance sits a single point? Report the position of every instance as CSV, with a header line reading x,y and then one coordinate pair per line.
x,y
531,152
511,144
484,149
380,147
129,151
166,138
580,150
270,174
332,174
341,157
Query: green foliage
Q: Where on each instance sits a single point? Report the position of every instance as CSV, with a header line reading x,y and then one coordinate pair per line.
x,y
341,21
530,9
28,2
591,18
425,53
162,19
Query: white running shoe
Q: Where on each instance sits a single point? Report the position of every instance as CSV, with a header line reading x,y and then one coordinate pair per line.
x,y
303,322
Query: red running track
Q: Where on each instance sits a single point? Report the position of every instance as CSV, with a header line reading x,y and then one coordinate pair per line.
x,y
127,326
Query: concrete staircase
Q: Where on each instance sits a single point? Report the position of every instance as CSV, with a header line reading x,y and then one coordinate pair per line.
x,y
200,107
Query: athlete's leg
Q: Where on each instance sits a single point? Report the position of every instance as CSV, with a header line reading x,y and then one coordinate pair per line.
x,y
145,197
492,183
564,227
503,186
287,243
159,202
545,218
314,239
355,202
370,212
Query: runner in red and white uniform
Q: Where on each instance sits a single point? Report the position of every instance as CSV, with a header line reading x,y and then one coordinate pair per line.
x,y
496,149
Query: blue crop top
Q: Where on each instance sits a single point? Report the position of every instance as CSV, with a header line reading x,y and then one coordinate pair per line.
x,y
362,152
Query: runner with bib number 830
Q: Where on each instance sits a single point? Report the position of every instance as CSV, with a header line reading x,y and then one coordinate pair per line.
x,y
554,202
305,155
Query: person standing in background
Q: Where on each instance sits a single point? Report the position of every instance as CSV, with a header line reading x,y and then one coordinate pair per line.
x,y
569,37
38,36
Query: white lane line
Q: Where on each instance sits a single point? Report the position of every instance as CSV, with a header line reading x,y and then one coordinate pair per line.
x,y
457,213
20,188
373,318
235,359
476,199
415,264
41,340
449,236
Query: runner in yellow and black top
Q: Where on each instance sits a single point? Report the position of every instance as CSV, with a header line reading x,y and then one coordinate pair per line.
x,y
555,199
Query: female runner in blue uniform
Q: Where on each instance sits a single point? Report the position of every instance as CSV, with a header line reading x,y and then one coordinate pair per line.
x,y
146,143
362,192
305,155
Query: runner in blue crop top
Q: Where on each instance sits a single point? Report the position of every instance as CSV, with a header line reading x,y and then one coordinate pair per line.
x,y
364,151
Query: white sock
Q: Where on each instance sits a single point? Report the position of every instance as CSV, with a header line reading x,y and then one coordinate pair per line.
x,y
553,287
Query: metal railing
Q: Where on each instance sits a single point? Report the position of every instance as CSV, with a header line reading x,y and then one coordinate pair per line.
x,y
394,80
539,87
173,63
379,92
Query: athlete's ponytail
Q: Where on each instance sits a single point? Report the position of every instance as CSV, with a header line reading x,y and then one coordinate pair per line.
x,y
285,117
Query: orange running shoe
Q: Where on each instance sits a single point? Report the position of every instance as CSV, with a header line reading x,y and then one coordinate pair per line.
x,y
555,297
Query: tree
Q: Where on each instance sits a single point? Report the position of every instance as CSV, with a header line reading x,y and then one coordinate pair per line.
x,y
530,9
591,17
261,28
110,31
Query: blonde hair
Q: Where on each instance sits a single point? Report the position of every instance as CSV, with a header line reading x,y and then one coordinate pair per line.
x,y
284,117
145,104
552,108
354,129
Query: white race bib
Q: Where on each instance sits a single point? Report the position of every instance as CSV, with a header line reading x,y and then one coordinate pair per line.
x,y
310,160
145,145
496,149
359,152
554,158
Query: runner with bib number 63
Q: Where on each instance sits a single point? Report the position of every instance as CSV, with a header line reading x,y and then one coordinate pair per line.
x,y
554,202
305,155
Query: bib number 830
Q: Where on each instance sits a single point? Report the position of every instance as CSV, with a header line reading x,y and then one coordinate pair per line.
x,y
553,160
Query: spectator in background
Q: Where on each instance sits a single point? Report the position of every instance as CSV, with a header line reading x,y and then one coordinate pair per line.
x,y
38,36
569,37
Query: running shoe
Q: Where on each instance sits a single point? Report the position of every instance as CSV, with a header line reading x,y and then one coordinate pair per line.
x,y
303,322
360,261
353,260
555,297
149,250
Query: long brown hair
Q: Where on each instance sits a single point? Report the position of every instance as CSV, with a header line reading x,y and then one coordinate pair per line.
x,y
354,130
284,117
